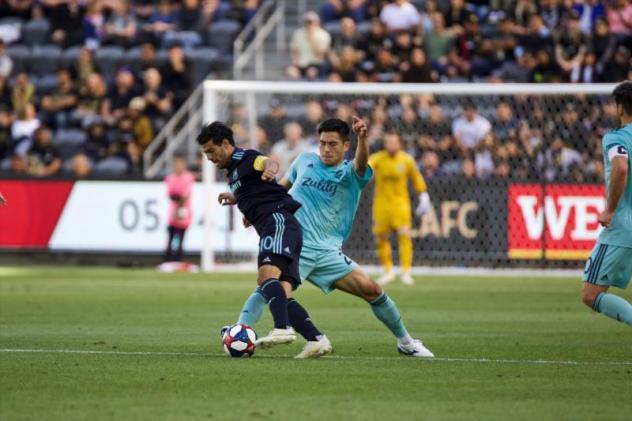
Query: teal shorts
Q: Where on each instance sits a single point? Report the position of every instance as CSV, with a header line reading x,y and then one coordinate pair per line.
x,y
324,267
609,265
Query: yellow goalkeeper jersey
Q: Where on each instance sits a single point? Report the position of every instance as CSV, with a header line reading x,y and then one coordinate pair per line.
x,y
391,175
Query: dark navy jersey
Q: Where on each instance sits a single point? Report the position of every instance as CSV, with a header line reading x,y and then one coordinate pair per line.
x,y
256,199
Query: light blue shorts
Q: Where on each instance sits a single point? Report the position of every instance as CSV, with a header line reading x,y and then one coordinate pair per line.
x,y
609,265
323,267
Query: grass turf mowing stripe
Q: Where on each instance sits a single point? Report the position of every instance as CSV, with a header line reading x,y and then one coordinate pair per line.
x,y
340,357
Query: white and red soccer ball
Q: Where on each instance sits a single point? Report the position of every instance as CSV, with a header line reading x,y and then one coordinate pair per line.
x,y
239,341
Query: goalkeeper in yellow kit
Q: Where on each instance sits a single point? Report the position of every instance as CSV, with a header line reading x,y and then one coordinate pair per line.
x,y
391,204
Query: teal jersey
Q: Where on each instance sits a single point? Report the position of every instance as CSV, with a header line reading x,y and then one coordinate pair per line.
x,y
619,232
330,198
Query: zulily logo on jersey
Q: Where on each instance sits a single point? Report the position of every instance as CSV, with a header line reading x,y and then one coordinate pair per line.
x,y
326,186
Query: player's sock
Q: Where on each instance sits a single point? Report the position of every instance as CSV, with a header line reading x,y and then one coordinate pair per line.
x,y
300,321
384,254
253,308
387,312
405,252
275,296
614,307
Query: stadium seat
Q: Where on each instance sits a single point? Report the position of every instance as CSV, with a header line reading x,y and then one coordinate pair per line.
x,y
109,58
69,55
36,32
67,151
333,28
222,34
111,166
70,137
45,84
44,59
20,55
364,27
202,62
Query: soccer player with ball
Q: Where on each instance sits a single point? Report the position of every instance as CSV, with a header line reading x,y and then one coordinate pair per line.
x,y
271,210
329,189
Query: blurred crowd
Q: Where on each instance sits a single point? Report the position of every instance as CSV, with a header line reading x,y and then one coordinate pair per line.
x,y
85,85
518,138
457,41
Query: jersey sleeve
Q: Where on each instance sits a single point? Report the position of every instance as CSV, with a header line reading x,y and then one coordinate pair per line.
x,y
614,145
363,180
249,161
415,175
292,172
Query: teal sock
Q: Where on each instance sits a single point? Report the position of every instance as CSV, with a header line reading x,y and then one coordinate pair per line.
x,y
253,308
387,312
614,307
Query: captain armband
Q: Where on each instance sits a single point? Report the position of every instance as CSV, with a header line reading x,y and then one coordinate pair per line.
x,y
260,162
617,150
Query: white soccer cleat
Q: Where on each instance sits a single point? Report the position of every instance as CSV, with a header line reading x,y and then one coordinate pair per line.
x,y
387,278
415,348
315,349
407,279
277,337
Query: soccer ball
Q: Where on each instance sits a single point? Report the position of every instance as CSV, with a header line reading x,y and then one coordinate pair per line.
x,y
239,341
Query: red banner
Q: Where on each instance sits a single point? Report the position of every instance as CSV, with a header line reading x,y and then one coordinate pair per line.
x,y
557,219
32,212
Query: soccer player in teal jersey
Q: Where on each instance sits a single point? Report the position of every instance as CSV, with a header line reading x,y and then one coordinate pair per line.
x,y
329,189
611,261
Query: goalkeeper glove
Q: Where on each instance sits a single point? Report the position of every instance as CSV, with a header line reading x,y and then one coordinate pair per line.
x,y
424,204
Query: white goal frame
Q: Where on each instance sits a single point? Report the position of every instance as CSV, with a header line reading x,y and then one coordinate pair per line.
x,y
212,88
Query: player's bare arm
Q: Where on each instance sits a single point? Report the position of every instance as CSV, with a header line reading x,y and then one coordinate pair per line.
x,y
227,199
618,180
361,161
268,166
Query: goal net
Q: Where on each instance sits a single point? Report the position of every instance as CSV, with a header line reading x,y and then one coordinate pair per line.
x,y
515,172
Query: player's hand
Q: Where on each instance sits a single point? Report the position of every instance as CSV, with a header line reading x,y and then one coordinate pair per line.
x,y
226,198
605,218
3,201
246,222
359,127
424,204
270,170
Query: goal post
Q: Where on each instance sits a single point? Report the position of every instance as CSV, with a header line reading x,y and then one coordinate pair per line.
x,y
516,209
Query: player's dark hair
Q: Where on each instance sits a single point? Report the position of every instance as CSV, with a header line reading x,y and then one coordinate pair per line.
x,y
335,125
216,132
623,96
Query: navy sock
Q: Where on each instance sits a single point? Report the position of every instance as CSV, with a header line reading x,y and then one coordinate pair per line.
x,y
300,321
275,296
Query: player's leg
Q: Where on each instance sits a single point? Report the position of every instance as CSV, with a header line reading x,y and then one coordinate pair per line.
x,y
169,250
382,230
608,266
358,283
405,253
180,243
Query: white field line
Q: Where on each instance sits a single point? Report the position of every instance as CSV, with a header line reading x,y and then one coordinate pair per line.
x,y
337,357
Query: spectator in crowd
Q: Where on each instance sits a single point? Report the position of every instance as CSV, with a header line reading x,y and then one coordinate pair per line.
x,y
602,44
438,43
6,64
121,26
505,125
175,74
84,66
96,147
345,64
5,132
142,129
80,166
376,38
211,11
120,94
314,114
618,68
332,10
18,165
57,106
417,69
401,15
274,122
23,128
91,105
93,24
620,20
243,10
5,94
23,92
348,36
430,165
146,60
179,188
470,130
158,99
290,147
570,46
66,18
162,20
468,169
43,156
189,26
309,47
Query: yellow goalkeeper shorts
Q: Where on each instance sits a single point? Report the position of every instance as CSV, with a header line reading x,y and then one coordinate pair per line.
x,y
385,221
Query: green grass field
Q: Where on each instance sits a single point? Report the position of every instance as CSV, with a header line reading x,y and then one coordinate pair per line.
x,y
92,344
